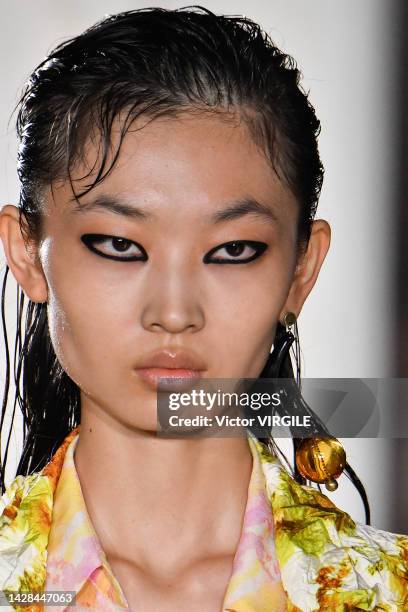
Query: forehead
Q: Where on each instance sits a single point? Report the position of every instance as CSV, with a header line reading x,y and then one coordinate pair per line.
x,y
189,162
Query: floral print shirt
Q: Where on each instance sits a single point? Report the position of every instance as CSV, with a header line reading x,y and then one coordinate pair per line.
x,y
297,549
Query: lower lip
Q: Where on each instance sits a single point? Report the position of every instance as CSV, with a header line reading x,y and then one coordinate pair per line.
x,y
176,378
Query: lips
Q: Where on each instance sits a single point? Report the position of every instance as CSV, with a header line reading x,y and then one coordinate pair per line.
x,y
179,367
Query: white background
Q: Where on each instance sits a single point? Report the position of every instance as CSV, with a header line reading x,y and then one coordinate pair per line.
x,y
346,51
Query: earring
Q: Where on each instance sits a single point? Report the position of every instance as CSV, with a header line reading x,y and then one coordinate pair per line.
x,y
320,458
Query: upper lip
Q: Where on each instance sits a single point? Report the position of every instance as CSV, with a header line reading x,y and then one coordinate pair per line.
x,y
173,359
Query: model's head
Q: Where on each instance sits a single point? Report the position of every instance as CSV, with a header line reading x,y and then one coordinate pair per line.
x,y
169,180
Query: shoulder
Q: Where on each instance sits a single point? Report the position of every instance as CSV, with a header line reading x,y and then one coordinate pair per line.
x,y
344,564
25,520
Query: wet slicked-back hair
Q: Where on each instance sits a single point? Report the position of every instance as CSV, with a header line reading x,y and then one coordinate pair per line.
x,y
154,62
146,64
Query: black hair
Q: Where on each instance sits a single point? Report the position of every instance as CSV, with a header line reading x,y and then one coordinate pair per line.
x,y
142,63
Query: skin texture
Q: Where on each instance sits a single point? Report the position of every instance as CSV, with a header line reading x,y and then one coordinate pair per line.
x,y
105,316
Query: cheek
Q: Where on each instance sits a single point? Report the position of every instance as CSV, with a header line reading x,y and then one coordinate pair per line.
x,y
248,312
248,334
255,294
85,321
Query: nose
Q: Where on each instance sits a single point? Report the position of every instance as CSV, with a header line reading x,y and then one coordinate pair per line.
x,y
172,299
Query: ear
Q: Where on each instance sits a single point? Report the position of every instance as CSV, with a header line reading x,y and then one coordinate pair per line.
x,y
308,268
22,256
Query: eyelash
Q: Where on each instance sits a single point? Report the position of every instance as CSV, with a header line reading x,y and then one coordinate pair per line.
x,y
91,239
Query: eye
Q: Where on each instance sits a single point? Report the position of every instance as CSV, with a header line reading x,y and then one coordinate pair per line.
x,y
237,251
111,246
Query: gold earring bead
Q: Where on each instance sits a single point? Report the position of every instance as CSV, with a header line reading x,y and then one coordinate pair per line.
x,y
321,460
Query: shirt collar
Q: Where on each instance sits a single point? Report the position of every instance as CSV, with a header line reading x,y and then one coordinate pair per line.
x,y
255,583
74,550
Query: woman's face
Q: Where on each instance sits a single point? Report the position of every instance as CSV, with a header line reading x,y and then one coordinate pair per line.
x,y
167,281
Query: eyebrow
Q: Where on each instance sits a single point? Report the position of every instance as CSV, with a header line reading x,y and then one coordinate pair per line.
x,y
235,210
243,207
110,204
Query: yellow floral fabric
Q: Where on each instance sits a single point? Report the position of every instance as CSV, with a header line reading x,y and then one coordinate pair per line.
x,y
310,556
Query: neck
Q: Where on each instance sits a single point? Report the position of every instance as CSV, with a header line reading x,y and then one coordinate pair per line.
x,y
162,491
